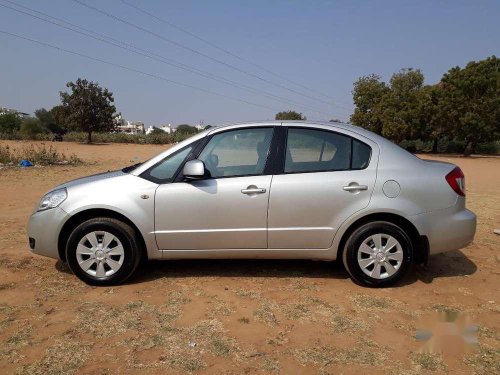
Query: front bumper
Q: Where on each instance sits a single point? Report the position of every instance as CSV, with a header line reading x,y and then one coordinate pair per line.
x,y
446,230
43,231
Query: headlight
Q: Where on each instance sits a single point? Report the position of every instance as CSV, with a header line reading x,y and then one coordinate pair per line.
x,y
52,199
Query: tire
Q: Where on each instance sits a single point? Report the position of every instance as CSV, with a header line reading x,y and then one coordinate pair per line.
x,y
103,251
378,254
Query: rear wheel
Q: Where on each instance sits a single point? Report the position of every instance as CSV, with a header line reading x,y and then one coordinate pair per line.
x,y
378,254
103,251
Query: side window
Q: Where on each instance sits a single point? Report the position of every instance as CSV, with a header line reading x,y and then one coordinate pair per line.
x,y
361,154
239,152
309,150
165,170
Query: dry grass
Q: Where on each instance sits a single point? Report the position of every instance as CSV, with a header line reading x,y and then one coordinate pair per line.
x,y
65,356
266,313
37,155
367,302
428,361
486,361
366,353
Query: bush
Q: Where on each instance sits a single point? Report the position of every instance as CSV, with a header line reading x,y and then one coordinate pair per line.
x,y
9,123
31,127
38,155
153,138
491,148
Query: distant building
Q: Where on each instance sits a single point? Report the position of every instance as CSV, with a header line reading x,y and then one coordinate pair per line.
x,y
4,111
200,126
128,127
167,129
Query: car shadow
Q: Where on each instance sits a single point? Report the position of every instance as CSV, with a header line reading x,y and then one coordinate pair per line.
x,y
240,268
450,264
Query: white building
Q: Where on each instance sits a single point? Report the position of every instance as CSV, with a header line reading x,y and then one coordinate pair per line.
x,y
136,127
128,127
167,129
5,111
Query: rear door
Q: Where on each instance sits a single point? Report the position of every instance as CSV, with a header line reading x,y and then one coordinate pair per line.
x,y
327,176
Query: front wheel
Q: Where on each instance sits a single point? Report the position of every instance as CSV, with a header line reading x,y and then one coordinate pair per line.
x,y
378,254
103,251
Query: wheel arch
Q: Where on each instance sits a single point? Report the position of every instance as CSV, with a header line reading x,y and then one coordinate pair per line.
x,y
420,243
84,215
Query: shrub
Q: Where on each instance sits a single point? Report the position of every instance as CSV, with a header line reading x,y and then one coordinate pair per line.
x,y
38,155
31,127
9,123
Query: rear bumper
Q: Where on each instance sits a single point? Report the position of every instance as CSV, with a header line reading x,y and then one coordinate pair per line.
x,y
446,230
43,231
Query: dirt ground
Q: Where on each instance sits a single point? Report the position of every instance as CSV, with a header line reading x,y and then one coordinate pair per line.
x,y
241,317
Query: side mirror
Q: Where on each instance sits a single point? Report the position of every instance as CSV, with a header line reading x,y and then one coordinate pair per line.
x,y
194,170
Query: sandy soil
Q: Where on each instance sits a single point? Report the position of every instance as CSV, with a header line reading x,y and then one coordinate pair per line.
x,y
235,317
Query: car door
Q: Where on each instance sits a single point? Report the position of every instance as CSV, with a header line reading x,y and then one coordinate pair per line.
x,y
327,176
226,210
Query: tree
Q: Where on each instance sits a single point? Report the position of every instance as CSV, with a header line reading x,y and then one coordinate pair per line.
x,y
367,94
88,108
290,115
399,107
470,102
186,129
157,131
390,110
9,123
48,119
32,126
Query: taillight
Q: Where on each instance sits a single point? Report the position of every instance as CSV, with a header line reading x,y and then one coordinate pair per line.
x,y
456,180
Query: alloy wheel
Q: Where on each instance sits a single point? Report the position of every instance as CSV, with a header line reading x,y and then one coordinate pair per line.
x,y
380,256
100,254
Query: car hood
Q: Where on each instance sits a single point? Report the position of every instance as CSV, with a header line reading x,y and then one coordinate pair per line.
x,y
89,179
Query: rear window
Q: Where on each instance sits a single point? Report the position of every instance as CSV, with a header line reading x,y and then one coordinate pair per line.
x,y
312,150
361,154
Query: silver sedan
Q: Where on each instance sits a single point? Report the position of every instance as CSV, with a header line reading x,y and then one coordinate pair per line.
x,y
271,190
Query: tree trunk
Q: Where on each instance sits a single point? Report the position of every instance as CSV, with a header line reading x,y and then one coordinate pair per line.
x,y
435,146
89,137
469,146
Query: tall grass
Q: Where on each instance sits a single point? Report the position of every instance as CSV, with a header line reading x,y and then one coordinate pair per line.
x,y
38,155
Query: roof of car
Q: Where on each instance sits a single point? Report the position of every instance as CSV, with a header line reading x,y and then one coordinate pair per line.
x,y
339,125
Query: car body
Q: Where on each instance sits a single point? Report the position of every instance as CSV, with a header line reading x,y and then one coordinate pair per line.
x,y
271,190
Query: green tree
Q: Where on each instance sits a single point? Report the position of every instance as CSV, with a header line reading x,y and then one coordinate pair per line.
x,y
9,123
157,131
470,102
399,109
88,108
290,115
367,94
48,119
32,126
186,129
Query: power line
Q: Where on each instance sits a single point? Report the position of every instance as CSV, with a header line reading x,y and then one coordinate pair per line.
x,y
180,45
124,67
213,45
146,53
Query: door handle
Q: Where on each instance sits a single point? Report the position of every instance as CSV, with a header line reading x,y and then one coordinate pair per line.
x,y
252,189
355,187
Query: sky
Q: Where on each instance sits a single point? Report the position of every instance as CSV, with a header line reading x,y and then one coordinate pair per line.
x,y
283,55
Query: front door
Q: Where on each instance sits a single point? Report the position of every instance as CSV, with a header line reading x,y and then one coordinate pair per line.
x,y
228,209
